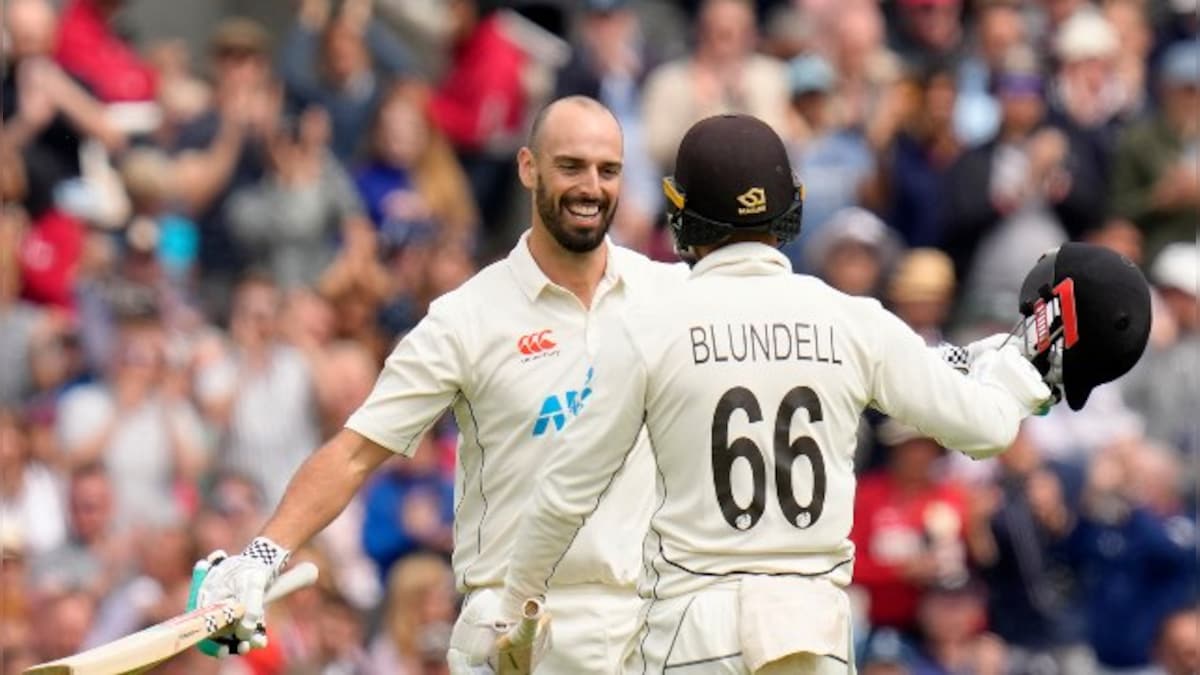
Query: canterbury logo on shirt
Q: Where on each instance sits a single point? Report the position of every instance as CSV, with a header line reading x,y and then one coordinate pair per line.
x,y
537,344
558,408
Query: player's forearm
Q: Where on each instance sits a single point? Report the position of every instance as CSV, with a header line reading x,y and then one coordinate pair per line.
x,y
322,488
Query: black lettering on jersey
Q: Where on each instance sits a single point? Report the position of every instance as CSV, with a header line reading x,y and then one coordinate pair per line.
x,y
698,342
802,338
780,355
817,344
760,341
733,343
712,333
833,348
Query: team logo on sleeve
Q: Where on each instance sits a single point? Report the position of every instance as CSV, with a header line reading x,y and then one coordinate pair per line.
x,y
537,345
558,409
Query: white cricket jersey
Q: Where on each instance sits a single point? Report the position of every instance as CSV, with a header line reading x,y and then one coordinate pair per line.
x,y
750,380
509,352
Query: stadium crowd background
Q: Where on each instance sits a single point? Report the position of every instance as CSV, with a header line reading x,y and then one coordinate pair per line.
x,y
214,227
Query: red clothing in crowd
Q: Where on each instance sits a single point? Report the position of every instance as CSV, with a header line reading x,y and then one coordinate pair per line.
x,y
90,50
49,259
482,97
891,528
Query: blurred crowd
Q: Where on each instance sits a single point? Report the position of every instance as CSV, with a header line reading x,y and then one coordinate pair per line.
x,y
205,257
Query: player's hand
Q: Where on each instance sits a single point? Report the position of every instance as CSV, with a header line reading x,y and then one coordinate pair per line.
x,y
1008,369
245,578
488,639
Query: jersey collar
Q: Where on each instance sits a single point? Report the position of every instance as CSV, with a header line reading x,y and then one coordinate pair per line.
x,y
533,280
745,258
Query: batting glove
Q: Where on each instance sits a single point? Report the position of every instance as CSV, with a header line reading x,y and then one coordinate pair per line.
x,y
245,578
1008,369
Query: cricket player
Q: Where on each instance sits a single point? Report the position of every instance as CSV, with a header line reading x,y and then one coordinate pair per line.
x,y
508,352
750,381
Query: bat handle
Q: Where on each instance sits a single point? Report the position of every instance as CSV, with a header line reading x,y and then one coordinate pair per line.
x,y
531,614
304,574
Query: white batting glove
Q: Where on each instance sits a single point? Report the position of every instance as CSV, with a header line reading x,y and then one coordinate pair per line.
x,y
245,578
1008,369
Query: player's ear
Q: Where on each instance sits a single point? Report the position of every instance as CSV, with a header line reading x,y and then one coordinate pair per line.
x,y
526,168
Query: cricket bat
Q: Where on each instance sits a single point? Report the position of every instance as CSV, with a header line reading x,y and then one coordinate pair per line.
x,y
151,646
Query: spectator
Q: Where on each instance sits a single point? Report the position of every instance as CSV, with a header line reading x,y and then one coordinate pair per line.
x,y
908,529
610,65
929,31
853,252
722,74
1131,24
20,321
90,49
418,616
1156,182
1033,602
480,105
29,492
830,159
1135,551
46,113
921,291
290,220
1087,99
1177,650
224,149
1163,387
865,67
94,557
147,436
343,64
61,623
885,652
413,186
953,637
999,28
259,394
1008,199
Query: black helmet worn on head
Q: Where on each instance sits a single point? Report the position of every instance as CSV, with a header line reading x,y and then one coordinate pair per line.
x,y
732,173
1111,307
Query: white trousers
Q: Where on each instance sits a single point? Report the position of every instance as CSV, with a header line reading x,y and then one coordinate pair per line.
x,y
591,629
702,633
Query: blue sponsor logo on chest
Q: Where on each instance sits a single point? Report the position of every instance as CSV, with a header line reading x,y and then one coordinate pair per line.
x,y
558,409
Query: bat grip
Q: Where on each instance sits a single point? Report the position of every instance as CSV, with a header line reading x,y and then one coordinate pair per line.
x,y
531,614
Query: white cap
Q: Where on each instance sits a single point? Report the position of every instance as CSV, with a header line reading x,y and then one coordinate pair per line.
x,y
1086,35
1175,267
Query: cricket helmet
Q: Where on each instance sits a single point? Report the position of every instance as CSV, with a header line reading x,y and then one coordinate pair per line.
x,y
732,173
1091,304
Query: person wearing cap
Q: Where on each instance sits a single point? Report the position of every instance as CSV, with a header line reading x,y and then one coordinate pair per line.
x,y
1086,97
750,381
1156,166
921,291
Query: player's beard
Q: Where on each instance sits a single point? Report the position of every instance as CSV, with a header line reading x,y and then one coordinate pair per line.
x,y
554,211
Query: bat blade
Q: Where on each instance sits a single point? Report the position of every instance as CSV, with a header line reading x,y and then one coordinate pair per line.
x,y
148,647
